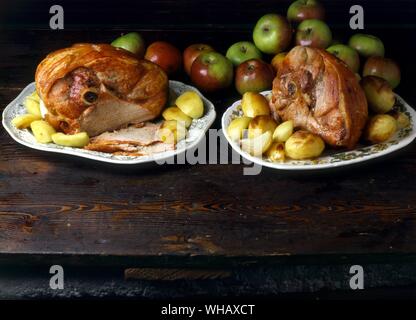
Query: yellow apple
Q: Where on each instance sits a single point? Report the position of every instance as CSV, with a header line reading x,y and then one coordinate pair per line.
x,y
191,104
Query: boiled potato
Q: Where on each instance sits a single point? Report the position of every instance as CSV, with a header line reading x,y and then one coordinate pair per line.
x,y
276,152
191,104
174,113
172,131
402,120
283,131
32,106
24,121
260,125
304,145
236,127
380,128
379,94
254,104
77,140
258,145
42,131
35,96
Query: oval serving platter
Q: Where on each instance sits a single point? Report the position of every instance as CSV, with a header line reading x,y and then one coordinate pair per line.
x,y
330,158
196,131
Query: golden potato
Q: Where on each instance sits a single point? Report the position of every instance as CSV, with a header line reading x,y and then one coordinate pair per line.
x,y
402,120
42,131
258,145
172,131
276,152
191,104
32,106
174,113
254,104
24,121
77,140
236,127
304,145
380,128
283,131
260,125
35,96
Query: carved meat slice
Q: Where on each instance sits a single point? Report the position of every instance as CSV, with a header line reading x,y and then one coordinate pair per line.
x,y
133,140
320,94
139,136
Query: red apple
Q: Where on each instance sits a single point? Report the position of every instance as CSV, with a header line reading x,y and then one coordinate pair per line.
x,y
167,56
383,68
192,52
211,71
254,75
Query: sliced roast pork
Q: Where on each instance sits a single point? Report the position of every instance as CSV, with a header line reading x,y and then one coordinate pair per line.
x,y
137,140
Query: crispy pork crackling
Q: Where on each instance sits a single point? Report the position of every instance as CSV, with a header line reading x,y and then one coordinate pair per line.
x,y
320,94
97,88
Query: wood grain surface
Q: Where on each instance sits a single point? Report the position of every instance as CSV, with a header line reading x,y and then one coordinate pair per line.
x,y
83,212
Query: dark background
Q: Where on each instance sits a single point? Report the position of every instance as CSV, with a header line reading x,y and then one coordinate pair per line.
x,y
188,14
212,21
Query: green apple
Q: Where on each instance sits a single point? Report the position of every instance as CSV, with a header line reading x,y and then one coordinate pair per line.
x,y
367,45
272,33
242,51
346,54
132,42
313,33
305,9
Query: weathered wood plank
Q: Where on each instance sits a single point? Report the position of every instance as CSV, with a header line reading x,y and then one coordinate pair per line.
x,y
56,205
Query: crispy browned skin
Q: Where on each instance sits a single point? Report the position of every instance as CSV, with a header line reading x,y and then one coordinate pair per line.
x,y
320,94
97,88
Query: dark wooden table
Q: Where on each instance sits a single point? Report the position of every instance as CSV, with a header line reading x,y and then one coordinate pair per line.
x,y
75,212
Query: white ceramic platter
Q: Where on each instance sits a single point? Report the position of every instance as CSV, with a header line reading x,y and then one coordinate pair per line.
x,y
330,158
196,131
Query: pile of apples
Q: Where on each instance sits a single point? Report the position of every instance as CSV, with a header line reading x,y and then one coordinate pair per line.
x,y
245,62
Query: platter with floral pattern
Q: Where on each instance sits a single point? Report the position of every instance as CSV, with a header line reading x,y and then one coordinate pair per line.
x,y
330,158
195,134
